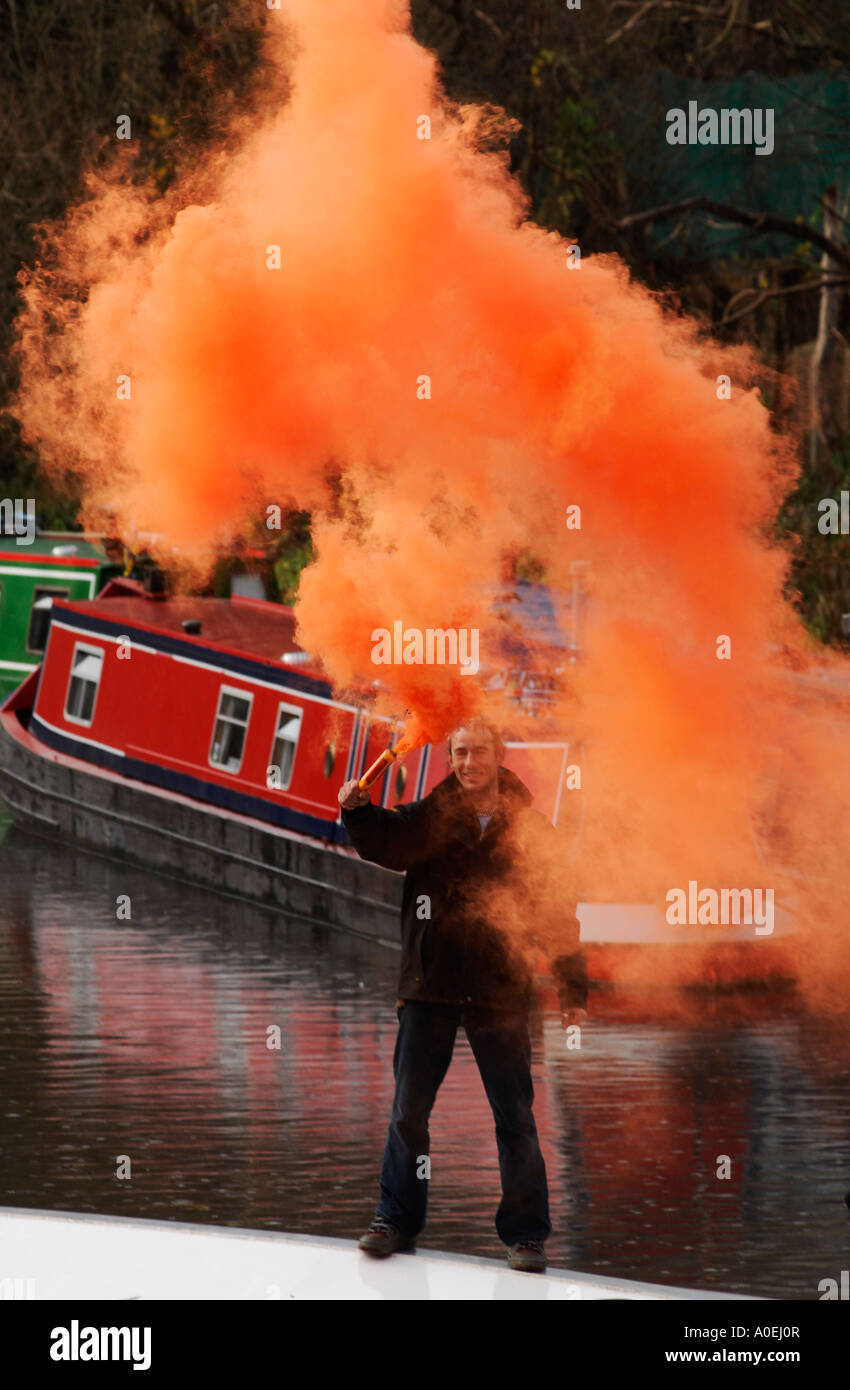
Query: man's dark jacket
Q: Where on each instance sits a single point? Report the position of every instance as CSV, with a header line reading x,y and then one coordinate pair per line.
x,y
453,951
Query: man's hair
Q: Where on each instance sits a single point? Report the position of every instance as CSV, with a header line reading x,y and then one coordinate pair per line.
x,y
478,723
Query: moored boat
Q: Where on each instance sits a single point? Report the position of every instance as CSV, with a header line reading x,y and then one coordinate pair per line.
x,y
193,736
33,573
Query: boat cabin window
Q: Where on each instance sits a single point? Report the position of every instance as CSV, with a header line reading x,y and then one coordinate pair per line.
x,y
86,668
286,742
42,602
231,725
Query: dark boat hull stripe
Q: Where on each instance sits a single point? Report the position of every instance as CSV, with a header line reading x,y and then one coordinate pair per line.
x,y
211,792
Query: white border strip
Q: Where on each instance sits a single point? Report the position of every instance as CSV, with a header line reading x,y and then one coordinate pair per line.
x,y
52,574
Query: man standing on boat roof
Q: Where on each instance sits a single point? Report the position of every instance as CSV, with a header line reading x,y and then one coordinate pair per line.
x,y
466,848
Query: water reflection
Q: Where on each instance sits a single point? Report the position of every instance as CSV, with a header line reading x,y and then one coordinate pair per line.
x,y
147,1037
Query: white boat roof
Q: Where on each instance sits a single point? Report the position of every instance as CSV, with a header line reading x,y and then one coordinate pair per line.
x,y
66,1255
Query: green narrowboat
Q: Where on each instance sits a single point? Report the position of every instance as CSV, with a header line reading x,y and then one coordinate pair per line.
x,y
51,565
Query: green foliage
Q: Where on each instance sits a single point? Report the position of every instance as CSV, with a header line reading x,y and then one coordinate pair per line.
x,y
287,571
294,551
277,556
581,155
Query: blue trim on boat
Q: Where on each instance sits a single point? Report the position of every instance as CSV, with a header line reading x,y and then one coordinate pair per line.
x,y
178,646
364,746
423,771
211,792
355,735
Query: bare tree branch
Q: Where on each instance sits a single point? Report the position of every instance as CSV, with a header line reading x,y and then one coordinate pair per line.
x,y
761,297
491,24
733,17
630,23
759,221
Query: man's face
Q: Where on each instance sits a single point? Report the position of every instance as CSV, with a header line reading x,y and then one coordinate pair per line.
x,y
473,759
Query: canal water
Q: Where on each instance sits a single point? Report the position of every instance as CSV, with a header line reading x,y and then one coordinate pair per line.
x,y
135,1018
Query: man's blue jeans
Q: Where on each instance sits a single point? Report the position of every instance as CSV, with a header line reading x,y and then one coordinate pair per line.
x,y
501,1046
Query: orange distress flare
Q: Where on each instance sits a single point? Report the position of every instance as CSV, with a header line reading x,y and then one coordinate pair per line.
x,y
374,772
406,744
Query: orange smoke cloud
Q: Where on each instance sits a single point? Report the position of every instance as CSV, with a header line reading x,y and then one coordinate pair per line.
x,y
353,317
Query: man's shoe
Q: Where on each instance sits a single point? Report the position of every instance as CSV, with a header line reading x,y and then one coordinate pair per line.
x,y
384,1239
529,1255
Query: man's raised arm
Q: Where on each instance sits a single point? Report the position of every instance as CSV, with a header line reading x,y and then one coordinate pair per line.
x,y
393,839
